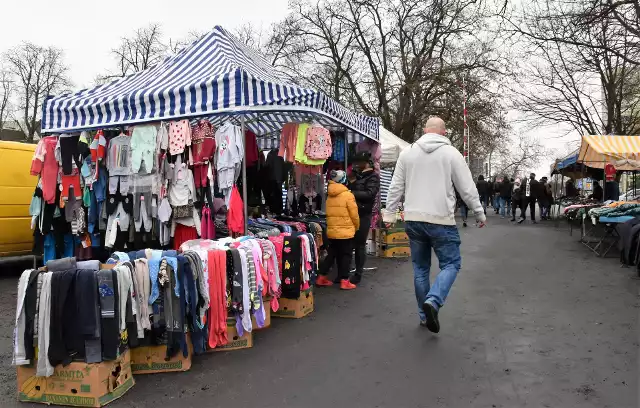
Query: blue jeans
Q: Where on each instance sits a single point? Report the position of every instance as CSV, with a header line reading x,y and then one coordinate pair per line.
x,y
445,241
503,206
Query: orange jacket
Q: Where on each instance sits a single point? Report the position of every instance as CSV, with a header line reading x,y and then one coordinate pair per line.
x,y
342,212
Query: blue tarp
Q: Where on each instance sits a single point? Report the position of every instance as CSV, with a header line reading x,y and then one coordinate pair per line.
x,y
567,161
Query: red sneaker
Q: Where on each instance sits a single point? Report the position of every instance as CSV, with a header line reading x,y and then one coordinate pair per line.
x,y
346,285
323,281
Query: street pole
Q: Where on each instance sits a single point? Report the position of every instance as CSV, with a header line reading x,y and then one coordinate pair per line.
x,y
244,177
465,132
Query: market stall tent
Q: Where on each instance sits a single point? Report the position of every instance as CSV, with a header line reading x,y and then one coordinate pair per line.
x,y
391,145
217,77
598,150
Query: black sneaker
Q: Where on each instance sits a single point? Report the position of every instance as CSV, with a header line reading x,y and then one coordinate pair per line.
x,y
513,220
355,278
464,223
423,323
521,220
432,317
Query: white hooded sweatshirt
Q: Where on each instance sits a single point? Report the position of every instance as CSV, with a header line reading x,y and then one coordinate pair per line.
x,y
426,173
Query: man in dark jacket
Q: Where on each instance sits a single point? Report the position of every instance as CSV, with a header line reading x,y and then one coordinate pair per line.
x,y
530,192
484,191
505,194
517,201
364,183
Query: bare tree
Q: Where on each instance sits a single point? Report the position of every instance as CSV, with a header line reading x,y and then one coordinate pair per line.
x,y
519,157
581,76
6,91
399,61
37,72
176,45
144,49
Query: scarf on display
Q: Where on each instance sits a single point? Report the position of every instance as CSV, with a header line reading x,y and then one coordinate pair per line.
x,y
19,352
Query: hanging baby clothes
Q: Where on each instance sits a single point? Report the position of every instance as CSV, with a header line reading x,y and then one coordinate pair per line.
x,y
179,138
143,142
98,147
69,162
181,197
301,157
318,145
229,156
288,141
45,165
203,148
119,164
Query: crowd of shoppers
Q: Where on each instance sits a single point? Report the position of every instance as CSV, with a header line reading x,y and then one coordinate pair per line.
x,y
507,195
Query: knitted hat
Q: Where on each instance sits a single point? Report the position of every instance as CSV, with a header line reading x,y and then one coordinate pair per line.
x,y
362,157
339,176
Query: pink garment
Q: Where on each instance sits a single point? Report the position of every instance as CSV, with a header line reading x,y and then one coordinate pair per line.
x,y
179,136
270,262
288,142
318,145
45,165
208,227
278,242
203,143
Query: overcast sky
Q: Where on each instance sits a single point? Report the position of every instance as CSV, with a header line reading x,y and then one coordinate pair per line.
x,y
87,31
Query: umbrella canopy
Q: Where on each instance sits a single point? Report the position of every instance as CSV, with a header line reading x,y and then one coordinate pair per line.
x,y
598,150
217,77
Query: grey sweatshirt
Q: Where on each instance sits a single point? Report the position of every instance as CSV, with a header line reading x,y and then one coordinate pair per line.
x,y
425,174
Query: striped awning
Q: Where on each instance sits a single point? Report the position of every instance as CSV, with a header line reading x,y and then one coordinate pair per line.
x,y
598,150
216,77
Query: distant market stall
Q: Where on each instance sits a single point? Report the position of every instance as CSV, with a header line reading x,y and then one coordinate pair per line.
x,y
605,225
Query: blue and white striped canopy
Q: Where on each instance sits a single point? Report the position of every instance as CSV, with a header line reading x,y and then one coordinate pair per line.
x,y
216,77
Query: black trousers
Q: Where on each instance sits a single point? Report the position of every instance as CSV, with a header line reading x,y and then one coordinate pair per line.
x,y
338,251
531,203
360,244
515,204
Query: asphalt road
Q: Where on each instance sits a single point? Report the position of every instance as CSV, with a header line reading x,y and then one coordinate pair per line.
x,y
534,320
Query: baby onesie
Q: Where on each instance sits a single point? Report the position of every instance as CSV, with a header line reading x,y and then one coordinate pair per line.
x,y
143,142
179,136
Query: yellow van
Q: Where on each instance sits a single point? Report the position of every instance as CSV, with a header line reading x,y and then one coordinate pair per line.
x,y
16,189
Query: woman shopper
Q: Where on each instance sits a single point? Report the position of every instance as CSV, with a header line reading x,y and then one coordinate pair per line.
x,y
364,183
342,224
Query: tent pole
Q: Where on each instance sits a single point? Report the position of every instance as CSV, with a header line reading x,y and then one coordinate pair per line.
x,y
244,177
346,150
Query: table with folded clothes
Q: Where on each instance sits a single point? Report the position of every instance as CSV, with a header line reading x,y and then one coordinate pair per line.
x,y
600,225
575,210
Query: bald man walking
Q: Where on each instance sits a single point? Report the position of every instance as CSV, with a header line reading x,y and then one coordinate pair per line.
x,y
425,175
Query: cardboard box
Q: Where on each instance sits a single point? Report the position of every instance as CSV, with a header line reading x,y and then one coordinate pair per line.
x,y
391,237
394,251
235,342
78,384
296,308
267,318
151,360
